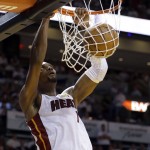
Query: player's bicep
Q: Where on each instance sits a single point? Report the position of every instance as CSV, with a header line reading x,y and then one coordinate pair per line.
x,y
32,78
26,98
30,90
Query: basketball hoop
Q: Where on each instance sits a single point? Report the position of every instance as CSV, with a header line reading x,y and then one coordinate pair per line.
x,y
72,12
76,54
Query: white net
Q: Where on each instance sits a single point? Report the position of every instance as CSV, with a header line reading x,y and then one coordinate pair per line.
x,y
99,38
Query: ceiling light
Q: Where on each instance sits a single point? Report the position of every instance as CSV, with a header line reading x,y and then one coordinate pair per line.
x,y
30,46
148,63
61,50
120,59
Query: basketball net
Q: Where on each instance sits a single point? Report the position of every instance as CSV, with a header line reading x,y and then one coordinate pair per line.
x,y
75,54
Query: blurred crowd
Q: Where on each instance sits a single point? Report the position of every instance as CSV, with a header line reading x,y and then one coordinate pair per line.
x,y
117,87
137,8
15,143
132,8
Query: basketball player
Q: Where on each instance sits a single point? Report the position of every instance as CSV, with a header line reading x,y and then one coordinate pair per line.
x,y
53,118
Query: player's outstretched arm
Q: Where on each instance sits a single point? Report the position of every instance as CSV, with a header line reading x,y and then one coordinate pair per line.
x,y
29,91
89,80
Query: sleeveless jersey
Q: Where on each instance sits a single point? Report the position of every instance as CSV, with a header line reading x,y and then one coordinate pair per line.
x,y
57,125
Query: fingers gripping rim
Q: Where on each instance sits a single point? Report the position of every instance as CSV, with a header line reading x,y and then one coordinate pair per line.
x,y
64,11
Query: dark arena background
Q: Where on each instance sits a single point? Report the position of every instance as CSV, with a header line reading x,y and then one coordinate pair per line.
x,y
119,106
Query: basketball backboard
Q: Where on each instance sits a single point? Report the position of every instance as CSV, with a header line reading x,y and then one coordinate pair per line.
x,y
11,22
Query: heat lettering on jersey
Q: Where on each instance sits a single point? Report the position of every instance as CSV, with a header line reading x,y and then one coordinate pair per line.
x,y
61,103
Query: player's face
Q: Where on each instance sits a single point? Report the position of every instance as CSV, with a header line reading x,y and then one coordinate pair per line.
x,y
48,73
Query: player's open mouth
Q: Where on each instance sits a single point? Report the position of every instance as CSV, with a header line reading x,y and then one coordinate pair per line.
x,y
52,73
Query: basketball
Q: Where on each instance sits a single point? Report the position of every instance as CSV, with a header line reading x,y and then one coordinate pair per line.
x,y
101,40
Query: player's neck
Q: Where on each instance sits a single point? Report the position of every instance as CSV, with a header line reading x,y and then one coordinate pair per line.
x,y
51,93
49,89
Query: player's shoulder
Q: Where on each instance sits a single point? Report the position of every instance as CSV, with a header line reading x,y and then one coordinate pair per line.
x,y
64,95
68,92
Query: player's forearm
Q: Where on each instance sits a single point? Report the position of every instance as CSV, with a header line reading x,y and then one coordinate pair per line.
x,y
39,46
90,79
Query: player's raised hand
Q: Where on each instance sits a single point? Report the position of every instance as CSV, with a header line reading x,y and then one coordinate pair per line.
x,y
81,17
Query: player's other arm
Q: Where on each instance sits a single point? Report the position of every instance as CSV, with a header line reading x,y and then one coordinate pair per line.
x,y
89,80
39,47
95,74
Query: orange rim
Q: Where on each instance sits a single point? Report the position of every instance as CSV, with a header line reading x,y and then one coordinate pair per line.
x,y
64,11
